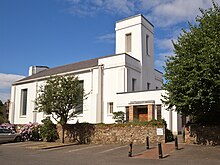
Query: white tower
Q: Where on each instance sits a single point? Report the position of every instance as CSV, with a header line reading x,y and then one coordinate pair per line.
x,y
135,36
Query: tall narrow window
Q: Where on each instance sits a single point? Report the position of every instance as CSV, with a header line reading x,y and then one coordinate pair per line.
x,y
23,111
128,42
148,86
79,108
110,107
147,45
133,84
158,111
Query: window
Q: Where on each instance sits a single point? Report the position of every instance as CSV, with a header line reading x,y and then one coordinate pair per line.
x,y
147,45
158,111
148,86
128,42
23,111
79,108
110,107
133,84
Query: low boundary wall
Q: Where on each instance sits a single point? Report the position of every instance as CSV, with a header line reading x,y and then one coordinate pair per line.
x,y
110,133
206,135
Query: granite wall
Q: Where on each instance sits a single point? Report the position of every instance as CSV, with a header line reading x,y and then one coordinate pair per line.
x,y
111,133
206,135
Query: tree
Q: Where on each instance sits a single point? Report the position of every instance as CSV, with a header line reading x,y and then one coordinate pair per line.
x,y
62,97
3,111
193,74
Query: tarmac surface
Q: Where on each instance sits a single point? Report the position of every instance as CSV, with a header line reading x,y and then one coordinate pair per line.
x,y
55,153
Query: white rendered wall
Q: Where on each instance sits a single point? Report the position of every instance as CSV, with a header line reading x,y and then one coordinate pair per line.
x,y
158,80
90,87
139,27
171,117
31,95
117,71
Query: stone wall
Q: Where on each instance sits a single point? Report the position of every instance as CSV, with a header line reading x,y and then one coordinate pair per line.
x,y
206,135
110,133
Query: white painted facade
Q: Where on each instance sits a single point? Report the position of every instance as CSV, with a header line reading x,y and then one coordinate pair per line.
x,y
114,79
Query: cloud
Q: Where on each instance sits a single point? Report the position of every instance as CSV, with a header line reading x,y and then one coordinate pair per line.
x,y
109,38
176,11
163,13
4,96
165,44
6,81
160,60
168,15
89,8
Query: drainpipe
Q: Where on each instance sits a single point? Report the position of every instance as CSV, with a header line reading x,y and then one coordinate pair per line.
x,y
35,111
100,95
12,106
171,119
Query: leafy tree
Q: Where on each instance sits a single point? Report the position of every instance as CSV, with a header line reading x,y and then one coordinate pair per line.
x,y
62,97
193,74
2,109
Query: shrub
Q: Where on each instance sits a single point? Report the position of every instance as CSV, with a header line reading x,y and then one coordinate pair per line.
x,y
168,136
119,117
48,130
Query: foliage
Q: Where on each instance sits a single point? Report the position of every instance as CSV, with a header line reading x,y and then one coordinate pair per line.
x,y
62,97
193,74
168,135
48,130
35,133
154,122
3,119
29,132
119,117
1,104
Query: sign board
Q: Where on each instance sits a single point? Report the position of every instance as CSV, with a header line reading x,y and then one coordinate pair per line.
x,y
159,131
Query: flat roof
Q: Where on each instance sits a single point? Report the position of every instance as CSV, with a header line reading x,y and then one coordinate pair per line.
x,y
134,17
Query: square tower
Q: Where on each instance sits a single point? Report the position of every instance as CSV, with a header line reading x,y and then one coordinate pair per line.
x,y
135,36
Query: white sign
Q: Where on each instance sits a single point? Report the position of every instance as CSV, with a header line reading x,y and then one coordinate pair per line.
x,y
159,131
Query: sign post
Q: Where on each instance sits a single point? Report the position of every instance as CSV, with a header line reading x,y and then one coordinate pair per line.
x,y
160,132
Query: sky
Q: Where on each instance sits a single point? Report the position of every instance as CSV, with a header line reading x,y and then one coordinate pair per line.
x,y
58,32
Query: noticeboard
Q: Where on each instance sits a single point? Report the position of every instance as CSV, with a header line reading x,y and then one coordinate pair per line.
x,y
159,132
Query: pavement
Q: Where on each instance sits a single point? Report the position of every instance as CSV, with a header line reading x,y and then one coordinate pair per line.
x,y
153,153
48,145
57,153
140,151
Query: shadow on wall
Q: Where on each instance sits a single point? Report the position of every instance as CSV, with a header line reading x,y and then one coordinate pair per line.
x,y
80,132
205,135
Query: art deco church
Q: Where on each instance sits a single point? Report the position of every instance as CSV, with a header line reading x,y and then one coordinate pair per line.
x,y
125,81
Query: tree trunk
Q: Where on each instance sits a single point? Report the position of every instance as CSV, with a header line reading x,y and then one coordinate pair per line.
x,y
63,134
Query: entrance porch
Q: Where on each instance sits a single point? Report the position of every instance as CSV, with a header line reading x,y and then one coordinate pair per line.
x,y
140,113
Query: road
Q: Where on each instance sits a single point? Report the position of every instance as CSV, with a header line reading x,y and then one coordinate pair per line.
x,y
22,154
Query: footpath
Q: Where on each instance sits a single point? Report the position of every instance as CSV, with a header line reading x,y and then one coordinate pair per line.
x,y
153,153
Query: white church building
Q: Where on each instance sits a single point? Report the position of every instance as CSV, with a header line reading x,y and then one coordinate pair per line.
x,y
125,81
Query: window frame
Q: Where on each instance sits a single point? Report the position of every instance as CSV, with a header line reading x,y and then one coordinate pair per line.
x,y
159,111
79,108
110,107
23,102
133,84
147,44
128,42
148,86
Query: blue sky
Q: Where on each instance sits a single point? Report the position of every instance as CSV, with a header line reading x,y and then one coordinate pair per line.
x,y
58,32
